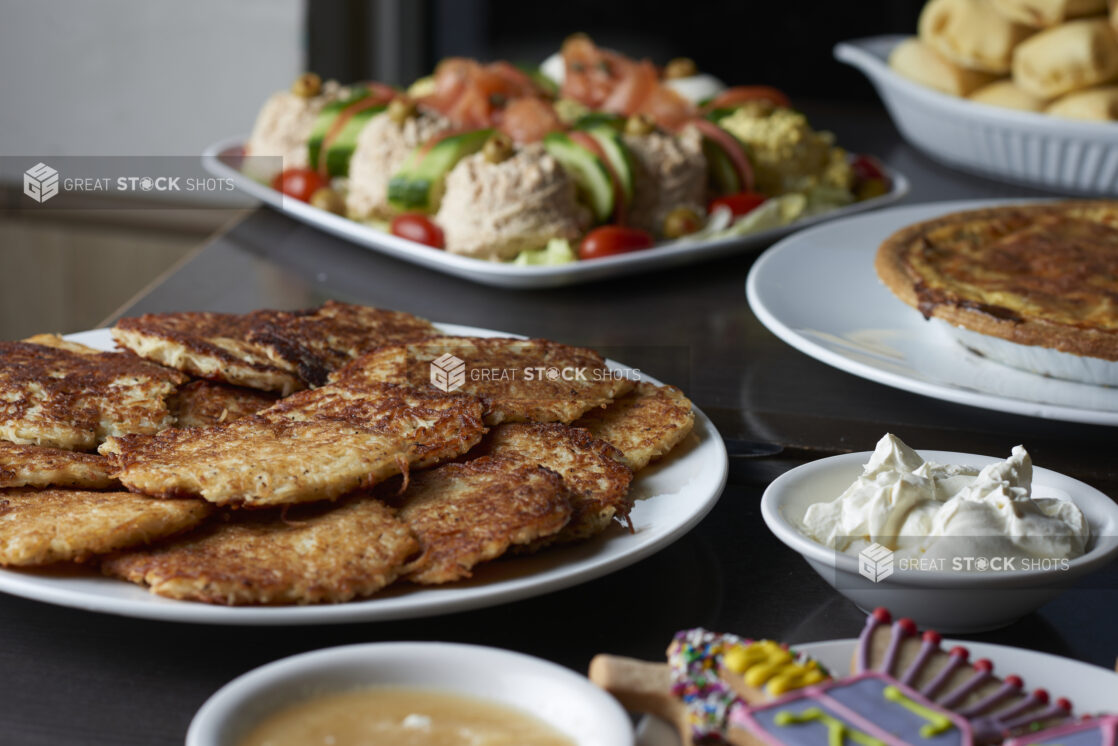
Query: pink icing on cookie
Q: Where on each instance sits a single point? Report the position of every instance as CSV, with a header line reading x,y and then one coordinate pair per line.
x,y
743,716
1107,725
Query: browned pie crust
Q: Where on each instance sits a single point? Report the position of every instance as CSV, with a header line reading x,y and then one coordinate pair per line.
x,y
1043,275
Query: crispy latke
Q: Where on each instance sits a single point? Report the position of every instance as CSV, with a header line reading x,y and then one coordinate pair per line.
x,y
65,399
208,345
592,469
518,380
40,466
280,351
644,424
314,445
314,554
465,514
321,340
38,527
201,403
58,342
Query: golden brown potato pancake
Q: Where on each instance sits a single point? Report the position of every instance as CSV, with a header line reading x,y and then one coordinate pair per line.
x,y
314,554
644,425
56,397
40,466
58,342
201,403
38,527
280,351
592,469
519,380
465,514
314,445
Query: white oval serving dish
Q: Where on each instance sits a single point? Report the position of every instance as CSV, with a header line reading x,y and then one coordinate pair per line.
x,y
1023,147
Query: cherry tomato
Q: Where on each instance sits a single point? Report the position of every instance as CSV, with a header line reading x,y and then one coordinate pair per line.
x,y
739,204
418,228
866,167
613,239
299,183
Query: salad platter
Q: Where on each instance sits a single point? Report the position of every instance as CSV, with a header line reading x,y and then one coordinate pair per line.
x,y
591,166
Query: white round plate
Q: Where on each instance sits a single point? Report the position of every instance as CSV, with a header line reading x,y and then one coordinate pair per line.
x,y
1090,688
671,498
221,160
818,291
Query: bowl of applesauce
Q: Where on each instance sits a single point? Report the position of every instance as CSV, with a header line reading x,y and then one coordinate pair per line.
x,y
411,694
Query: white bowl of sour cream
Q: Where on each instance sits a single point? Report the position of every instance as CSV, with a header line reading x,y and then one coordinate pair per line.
x,y
406,692
963,543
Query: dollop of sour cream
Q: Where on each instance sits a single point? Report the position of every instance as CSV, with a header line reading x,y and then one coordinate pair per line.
x,y
921,508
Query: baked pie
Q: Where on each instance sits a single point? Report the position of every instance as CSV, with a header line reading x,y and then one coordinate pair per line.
x,y
1041,276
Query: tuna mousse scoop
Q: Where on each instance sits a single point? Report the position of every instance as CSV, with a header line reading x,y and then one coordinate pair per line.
x,y
929,511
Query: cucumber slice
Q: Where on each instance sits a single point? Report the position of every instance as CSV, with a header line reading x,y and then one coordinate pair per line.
x,y
590,174
720,168
340,152
619,158
717,115
545,83
325,121
599,119
420,182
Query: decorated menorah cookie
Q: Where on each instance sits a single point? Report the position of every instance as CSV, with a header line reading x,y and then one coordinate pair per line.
x,y
706,675
904,690
996,708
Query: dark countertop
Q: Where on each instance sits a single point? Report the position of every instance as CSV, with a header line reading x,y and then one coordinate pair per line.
x,y
72,677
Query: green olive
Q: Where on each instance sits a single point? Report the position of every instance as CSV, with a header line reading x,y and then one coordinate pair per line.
x,y
401,109
639,124
497,148
327,199
682,221
307,85
680,67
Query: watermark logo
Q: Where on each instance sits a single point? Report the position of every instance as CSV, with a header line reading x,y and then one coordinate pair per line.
x,y
40,182
875,563
448,373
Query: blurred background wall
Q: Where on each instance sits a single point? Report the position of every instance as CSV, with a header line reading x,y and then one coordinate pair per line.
x,y
140,77
123,77
780,42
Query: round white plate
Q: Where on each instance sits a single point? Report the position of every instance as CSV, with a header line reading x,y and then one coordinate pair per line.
x,y
671,497
221,159
818,291
1090,688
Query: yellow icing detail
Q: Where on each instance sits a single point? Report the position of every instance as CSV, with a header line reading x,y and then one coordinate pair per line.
x,y
786,682
735,659
937,721
766,664
837,731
